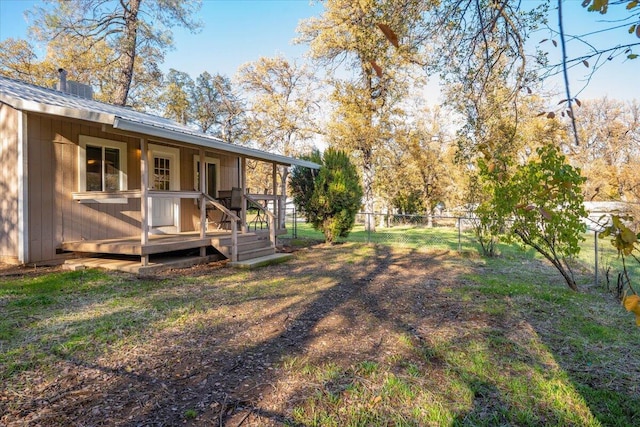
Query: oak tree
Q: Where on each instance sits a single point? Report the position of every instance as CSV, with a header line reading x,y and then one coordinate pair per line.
x,y
370,41
136,32
280,110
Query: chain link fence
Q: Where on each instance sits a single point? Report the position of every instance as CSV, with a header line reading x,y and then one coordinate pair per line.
x,y
597,255
608,266
413,231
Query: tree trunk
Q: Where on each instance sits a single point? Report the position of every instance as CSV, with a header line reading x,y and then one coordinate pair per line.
x,y
369,206
128,46
557,263
367,187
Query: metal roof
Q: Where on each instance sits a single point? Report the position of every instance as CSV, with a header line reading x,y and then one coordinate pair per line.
x,y
27,97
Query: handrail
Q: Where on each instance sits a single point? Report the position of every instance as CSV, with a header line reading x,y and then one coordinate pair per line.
x,y
234,224
221,207
272,218
259,206
96,196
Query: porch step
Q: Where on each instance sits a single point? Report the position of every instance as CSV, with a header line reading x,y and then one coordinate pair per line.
x,y
255,253
275,258
135,266
250,246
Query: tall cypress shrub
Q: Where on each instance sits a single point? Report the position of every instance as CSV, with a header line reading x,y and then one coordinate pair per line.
x,y
332,205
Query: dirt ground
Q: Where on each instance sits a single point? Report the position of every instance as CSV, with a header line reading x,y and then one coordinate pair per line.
x,y
230,372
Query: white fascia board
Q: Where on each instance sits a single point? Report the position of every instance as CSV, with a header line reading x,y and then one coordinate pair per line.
x,y
55,110
209,142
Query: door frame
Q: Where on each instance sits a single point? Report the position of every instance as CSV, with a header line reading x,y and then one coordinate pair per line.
x,y
207,160
173,154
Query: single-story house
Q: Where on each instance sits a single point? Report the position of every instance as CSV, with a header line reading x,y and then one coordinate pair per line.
x,y
81,176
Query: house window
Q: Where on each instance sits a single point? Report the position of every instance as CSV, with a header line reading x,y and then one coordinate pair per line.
x,y
102,165
103,169
161,173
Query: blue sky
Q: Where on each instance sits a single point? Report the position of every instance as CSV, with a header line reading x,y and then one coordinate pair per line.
x,y
234,32
240,31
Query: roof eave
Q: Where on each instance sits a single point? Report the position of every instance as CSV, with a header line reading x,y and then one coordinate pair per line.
x,y
38,107
146,129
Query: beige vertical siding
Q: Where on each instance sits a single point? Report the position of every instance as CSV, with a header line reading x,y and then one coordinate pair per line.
x,y
228,172
53,165
9,183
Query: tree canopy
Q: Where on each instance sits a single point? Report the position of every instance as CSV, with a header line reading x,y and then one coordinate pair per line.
x,y
116,46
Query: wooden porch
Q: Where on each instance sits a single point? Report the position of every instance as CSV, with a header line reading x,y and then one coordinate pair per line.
x,y
237,243
230,210
158,243
220,240
172,250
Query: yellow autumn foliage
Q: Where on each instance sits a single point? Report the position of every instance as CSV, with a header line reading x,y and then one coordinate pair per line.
x,y
632,303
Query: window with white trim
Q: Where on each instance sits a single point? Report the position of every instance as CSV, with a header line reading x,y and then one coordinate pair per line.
x,y
102,164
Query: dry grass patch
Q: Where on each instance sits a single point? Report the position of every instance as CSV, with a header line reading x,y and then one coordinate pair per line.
x,y
341,335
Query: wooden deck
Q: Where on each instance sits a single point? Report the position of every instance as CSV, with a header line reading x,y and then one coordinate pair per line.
x,y
158,243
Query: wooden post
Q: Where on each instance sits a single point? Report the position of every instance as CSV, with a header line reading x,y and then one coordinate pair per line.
x,y
243,185
234,240
272,229
282,201
203,206
274,177
595,242
144,197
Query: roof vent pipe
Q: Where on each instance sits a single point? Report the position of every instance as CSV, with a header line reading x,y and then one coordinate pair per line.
x,y
62,84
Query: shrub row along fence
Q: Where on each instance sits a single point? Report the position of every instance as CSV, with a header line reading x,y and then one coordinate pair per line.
x,y
456,233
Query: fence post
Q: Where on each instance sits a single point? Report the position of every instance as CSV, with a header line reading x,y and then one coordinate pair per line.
x,y
294,226
459,235
368,224
595,240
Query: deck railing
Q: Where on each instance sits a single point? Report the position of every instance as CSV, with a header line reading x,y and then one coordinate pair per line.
x,y
234,223
254,200
270,215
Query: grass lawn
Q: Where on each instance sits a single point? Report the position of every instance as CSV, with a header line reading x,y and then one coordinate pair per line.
x,y
347,335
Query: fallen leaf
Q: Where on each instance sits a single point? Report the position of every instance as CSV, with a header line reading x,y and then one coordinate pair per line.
x,y
631,302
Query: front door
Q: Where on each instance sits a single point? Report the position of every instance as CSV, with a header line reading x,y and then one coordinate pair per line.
x,y
165,177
